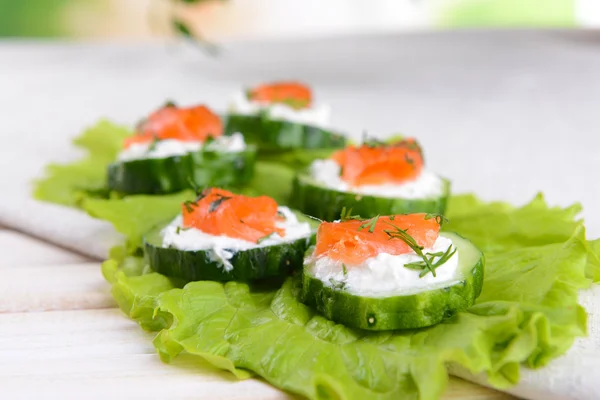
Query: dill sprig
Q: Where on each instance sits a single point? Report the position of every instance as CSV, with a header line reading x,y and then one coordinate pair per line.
x,y
180,229
370,223
200,191
337,284
153,144
346,215
439,218
169,103
189,206
370,141
215,204
443,257
428,263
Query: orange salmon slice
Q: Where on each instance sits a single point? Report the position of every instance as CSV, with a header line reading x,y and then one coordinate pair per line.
x,y
193,124
353,242
375,165
294,94
221,212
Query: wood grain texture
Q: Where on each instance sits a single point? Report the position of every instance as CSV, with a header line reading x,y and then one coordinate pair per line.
x,y
53,287
19,249
100,354
80,346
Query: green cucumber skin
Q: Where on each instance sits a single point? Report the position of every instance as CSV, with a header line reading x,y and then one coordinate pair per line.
x,y
248,265
173,174
398,312
327,204
271,134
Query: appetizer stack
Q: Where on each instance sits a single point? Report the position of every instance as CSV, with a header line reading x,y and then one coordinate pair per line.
x,y
379,261
265,241
177,147
281,116
224,236
375,178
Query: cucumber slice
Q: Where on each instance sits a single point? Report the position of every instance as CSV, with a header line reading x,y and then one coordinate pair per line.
x,y
248,265
172,174
405,311
270,134
324,203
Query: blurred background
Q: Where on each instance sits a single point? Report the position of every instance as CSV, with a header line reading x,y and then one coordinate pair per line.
x,y
233,19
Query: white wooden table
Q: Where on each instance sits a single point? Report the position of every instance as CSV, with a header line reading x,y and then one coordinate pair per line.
x,y
519,108
61,336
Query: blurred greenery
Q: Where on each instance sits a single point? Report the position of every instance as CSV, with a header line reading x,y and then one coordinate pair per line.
x,y
49,18
508,13
32,18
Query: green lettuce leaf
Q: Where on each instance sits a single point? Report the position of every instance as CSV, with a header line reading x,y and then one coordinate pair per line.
x,y
498,226
134,216
71,183
527,315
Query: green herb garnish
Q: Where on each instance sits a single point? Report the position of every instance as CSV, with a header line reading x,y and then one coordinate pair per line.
x,y
153,144
189,206
208,141
370,223
346,215
439,218
181,28
181,228
313,218
428,264
337,285
443,257
215,204
371,141
199,191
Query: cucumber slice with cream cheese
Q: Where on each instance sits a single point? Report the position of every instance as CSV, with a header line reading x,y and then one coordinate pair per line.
x,y
242,265
403,310
313,198
176,173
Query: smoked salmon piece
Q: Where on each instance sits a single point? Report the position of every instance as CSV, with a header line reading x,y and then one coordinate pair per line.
x,y
380,164
193,124
221,212
294,94
354,241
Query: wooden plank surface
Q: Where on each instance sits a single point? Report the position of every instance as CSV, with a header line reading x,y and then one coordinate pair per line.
x,y
80,346
53,287
101,354
19,249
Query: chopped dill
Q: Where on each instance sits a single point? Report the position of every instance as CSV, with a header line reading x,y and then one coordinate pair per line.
x,y
428,263
189,206
370,223
346,215
215,204
439,218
